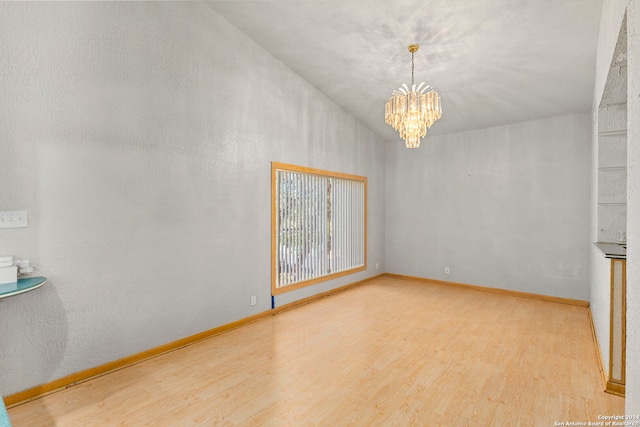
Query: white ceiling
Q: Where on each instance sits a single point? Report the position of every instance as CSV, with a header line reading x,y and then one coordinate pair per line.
x,y
493,62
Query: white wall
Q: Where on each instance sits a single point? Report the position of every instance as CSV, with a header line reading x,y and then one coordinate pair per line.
x,y
505,207
612,16
632,402
139,137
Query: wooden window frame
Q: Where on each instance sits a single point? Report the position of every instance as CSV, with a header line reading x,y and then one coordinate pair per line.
x,y
275,167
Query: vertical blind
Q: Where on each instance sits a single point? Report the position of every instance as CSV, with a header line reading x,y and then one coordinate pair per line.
x,y
320,225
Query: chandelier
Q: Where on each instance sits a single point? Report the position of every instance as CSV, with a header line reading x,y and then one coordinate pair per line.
x,y
412,112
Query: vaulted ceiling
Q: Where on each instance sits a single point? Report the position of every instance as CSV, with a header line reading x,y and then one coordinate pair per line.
x,y
493,62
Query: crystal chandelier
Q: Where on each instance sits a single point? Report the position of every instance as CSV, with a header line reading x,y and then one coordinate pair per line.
x,y
412,112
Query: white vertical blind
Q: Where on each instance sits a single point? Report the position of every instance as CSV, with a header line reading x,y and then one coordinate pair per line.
x,y
320,224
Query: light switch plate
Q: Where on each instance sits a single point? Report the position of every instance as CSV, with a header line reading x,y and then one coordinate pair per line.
x,y
14,219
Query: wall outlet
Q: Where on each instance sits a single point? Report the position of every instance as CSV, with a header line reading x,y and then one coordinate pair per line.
x,y
446,270
14,219
254,300
377,266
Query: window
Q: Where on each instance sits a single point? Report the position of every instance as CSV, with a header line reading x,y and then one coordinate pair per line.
x,y
318,226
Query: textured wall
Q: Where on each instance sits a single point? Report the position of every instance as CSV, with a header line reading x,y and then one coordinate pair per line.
x,y
505,207
632,401
612,17
139,137
612,14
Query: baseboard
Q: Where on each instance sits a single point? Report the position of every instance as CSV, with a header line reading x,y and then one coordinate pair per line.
x,y
559,300
603,375
615,388
312,298
82,376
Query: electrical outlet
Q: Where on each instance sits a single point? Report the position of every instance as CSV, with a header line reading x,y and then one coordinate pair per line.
x,y
377,266
446,270
14,219
254,300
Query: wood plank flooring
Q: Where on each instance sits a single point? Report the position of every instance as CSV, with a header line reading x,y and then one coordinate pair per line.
x,y
388,353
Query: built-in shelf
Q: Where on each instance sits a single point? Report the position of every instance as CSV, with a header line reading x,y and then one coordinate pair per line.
x,y
21,286
613,133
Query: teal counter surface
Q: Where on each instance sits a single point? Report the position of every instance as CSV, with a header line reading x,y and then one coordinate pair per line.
x,y
4,417
21,286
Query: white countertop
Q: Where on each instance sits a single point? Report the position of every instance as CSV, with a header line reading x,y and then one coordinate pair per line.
x,y
612,250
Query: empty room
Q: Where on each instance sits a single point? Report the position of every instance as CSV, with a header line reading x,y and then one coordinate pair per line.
x,y
320,213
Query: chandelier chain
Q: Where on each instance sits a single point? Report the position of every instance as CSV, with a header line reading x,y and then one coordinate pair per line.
x,y
412,69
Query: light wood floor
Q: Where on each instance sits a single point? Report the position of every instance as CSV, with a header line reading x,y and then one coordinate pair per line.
x,y
388,353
